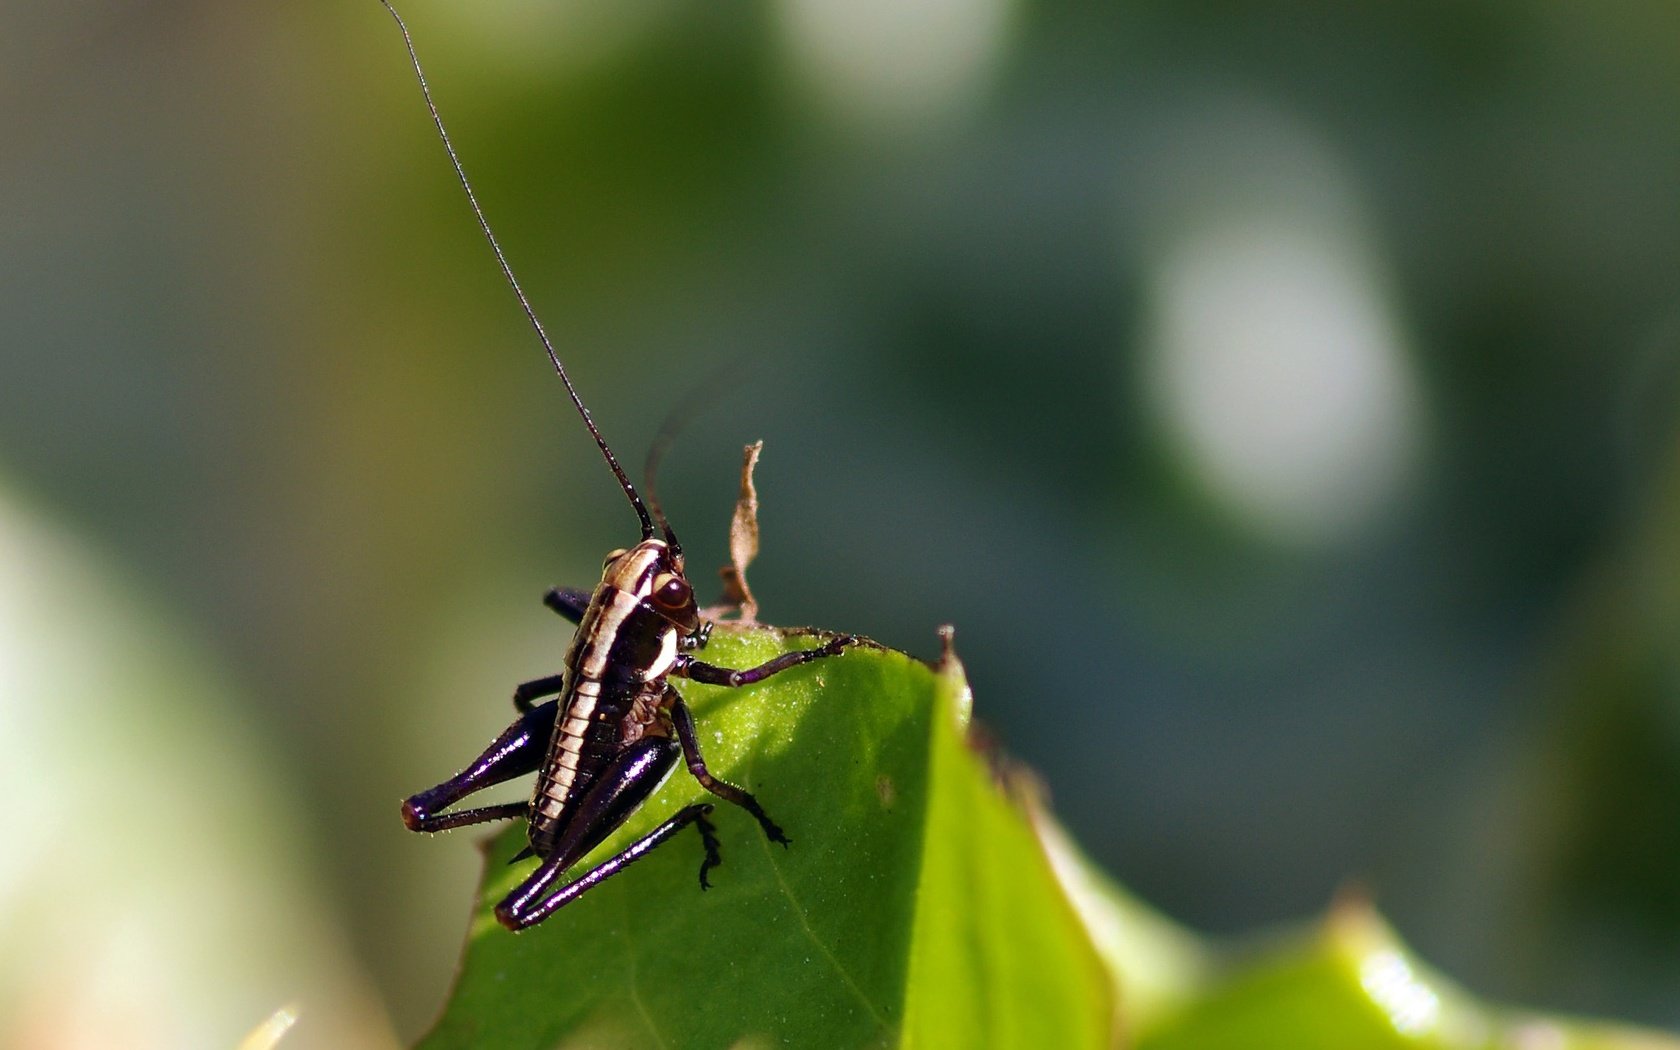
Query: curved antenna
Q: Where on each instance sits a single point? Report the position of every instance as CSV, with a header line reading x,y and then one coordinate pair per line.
x,y
699,397
513,282
674,424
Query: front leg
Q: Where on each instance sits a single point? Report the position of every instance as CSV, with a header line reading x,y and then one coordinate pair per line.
x,y
708,674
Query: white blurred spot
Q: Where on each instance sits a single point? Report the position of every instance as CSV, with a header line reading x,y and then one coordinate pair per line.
x,y
267,1035
893,61
1276,367
1412,1006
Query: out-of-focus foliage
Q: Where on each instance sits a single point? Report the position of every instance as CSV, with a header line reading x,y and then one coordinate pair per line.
x,y
149,895
1279,399
1354,984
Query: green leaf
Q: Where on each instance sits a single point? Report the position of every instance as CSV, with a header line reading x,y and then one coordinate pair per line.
x,y
915,907
1347,983
922,904
1352,983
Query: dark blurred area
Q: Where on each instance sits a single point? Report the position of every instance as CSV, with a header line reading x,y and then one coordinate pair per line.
x,y
1279,399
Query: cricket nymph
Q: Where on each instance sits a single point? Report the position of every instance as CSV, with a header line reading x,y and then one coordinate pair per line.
x,y
616,726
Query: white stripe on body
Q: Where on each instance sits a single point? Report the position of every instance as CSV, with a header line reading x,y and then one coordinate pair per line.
x,y
667,657
592,661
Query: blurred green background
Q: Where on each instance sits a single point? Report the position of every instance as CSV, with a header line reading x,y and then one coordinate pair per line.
x,y
1280,399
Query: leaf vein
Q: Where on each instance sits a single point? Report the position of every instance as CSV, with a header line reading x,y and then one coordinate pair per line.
x,y
805,924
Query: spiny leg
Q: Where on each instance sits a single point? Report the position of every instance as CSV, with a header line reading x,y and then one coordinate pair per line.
x,y
695,814
517,751
728,792
418,820
709,674
621,787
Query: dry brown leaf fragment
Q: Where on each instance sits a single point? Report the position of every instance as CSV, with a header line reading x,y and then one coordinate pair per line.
x,y
743,544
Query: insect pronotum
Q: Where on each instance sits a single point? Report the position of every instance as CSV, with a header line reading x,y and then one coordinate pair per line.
x,y
616,725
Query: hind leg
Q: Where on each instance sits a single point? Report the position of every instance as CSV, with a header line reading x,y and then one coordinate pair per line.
x,y
524,914
517,751
622,786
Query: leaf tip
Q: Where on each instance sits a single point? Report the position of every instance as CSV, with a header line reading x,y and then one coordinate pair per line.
x,y
952,677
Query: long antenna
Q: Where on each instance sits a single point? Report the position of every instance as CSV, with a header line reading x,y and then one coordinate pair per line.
x,y
513,282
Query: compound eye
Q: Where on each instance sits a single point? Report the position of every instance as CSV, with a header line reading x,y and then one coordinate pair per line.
x,y
671,591
614,556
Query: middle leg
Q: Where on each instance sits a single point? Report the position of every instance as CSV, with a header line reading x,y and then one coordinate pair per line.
x,y
525,692
684,721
